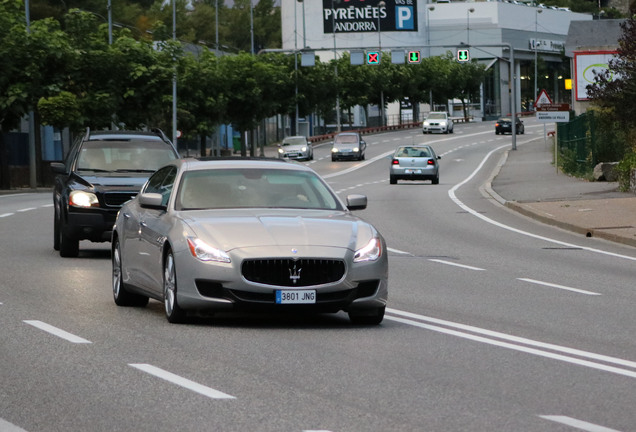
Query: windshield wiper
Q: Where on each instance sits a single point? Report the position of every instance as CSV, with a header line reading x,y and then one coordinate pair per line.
x,y
134,170
93,169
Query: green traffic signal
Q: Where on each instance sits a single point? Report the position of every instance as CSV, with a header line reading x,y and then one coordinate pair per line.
x,y
463,55
414,57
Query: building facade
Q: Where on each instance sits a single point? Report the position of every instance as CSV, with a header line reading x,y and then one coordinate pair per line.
x,y
536,35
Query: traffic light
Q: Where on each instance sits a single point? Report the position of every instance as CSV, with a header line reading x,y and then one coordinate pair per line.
x,y
373,57
414,57
463,55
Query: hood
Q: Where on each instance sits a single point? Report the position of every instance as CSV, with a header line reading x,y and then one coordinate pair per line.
x,y
285,228
118,180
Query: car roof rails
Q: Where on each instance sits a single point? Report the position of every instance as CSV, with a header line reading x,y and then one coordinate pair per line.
x,y
161,134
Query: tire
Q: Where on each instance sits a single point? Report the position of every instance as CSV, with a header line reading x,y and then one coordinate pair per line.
x,y
392,180
174,313
496,132
333,159
56,230
370,317
121,296
69,247
436,179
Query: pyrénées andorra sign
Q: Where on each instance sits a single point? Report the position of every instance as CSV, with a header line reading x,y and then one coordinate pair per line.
x,y
357,16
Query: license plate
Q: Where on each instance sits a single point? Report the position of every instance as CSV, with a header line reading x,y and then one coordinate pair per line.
x,y
413,171
295,296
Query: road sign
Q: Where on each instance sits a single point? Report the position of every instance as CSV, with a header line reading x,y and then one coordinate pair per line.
x,y
463,55
554,107
553,116
397,56
543,99
414,57
373,57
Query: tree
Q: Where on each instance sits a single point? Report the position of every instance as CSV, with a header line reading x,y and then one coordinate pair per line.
x,y
615,88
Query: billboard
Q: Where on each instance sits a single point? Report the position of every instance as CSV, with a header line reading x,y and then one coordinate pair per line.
x,y
356,16
586,65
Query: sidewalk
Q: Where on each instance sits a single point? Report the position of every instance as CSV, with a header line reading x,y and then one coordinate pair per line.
x,y
528,182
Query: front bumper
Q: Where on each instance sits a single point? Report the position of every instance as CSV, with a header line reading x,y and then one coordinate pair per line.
x,y
222,287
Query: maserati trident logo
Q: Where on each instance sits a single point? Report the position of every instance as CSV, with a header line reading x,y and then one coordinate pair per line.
x,y
294,274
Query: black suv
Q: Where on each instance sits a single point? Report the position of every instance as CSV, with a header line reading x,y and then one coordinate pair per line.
x,y
102,171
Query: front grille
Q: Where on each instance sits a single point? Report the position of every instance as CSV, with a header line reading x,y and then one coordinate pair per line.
x,y
117,199
293,273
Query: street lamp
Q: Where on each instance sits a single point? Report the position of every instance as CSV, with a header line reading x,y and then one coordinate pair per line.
x,y
536,16
468,12
380,6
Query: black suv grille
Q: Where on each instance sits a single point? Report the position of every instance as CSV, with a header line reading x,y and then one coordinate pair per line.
x,y
289,272
117,199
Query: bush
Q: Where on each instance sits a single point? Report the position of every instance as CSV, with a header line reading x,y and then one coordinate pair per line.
x,y
624,169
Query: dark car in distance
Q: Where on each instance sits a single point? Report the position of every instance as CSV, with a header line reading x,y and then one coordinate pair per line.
x,y
504,125
102,171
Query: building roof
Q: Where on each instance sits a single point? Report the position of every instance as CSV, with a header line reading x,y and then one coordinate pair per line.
x,y
593,35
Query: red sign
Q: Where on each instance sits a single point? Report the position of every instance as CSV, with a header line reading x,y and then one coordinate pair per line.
x,y
554,107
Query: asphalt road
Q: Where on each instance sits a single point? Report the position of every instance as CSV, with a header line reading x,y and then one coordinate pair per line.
x,y
493,324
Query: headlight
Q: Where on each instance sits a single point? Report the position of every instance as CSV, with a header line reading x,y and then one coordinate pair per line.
x,y
356,149
280,150
83,199
425,123
304,149
205,252
371,252
334,150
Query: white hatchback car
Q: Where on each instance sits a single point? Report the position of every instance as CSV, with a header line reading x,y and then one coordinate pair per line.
x,y
437,122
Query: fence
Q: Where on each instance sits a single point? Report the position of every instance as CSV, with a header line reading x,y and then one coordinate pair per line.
x,y
578,138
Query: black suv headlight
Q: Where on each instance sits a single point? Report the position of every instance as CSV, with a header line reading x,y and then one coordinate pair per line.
x,y
83,199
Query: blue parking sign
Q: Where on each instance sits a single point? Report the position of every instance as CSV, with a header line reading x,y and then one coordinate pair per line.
x,y
404,18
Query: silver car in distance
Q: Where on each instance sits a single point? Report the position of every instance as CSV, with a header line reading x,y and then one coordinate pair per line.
x,y
247,235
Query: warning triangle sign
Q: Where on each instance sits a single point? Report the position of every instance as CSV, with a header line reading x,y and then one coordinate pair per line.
x,y
543,99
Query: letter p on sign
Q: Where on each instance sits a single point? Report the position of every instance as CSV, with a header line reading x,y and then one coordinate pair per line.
x,y
404,18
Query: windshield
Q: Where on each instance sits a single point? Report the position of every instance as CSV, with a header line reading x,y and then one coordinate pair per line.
x,y
437,116
122,156
254,187
346,139
294,141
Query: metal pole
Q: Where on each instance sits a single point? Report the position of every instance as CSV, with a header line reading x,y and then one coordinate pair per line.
x,y
110,22
33,182
380,6
216,13
335,58
536,17
252,25
174,78
296,62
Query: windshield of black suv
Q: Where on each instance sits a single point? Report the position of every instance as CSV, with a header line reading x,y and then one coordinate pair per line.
x,y
121,156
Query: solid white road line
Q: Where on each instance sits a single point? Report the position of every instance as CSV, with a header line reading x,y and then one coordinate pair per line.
x,y
5,426
180,381
563,287
579,424
56,331
453,197
532,346
456,265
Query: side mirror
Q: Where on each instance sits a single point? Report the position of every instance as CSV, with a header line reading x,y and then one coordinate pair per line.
x,y
356,202
58,168
152,201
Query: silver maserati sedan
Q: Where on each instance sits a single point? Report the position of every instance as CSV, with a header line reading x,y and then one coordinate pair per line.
x,y
232,234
